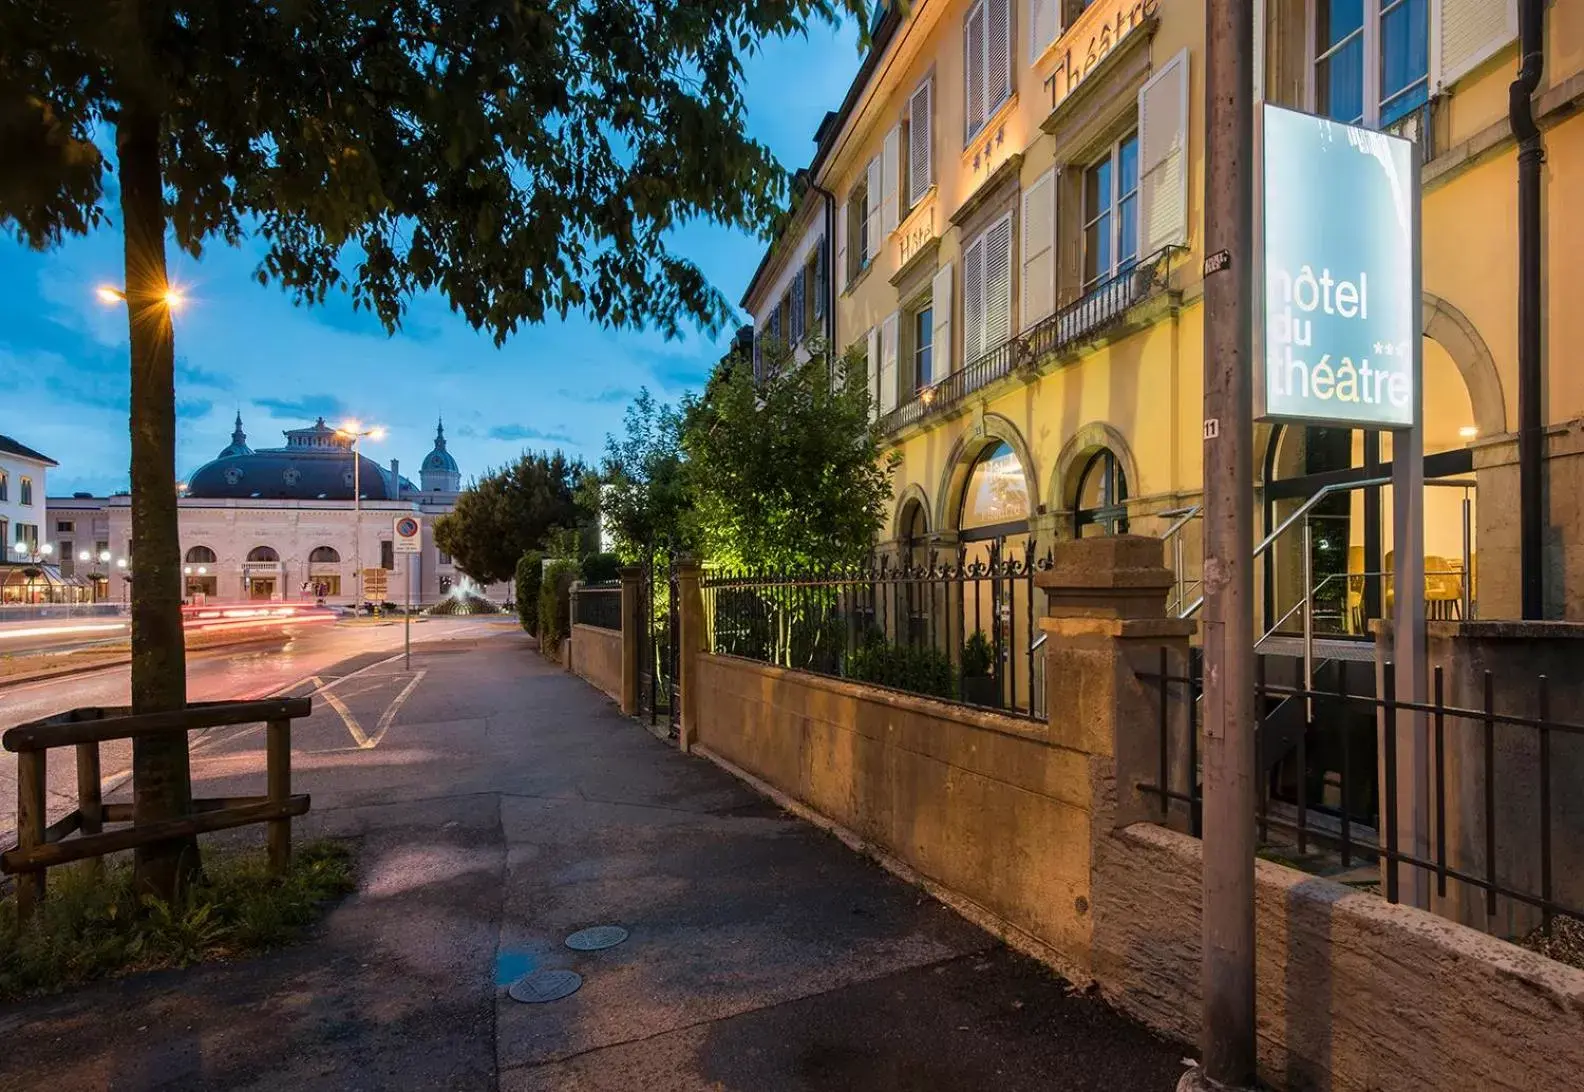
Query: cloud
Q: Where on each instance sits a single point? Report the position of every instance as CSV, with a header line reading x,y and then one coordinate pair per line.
x,y
517,433
615,396
193,375
193,408
309,405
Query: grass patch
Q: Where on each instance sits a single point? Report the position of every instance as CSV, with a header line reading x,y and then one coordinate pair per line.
x,y
90,927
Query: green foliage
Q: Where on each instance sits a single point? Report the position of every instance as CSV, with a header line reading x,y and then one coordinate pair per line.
x,y
510,511
786,472
917,670
90,927
530,573
977,656
555,605
601,568
644,496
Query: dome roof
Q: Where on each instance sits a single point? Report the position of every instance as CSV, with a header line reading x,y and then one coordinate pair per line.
x,y
315,464
238,444
440,459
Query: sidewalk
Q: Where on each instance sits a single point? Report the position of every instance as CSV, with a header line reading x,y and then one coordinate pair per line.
x,y
500,804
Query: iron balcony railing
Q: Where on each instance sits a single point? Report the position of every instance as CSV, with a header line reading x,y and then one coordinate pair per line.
x,y
1103,307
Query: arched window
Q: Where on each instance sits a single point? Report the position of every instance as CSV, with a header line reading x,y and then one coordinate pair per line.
x,y
324,555
915,535
1102,497
200,555
263,553
996,500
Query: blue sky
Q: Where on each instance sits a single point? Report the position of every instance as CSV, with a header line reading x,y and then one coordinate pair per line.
x,y
63,356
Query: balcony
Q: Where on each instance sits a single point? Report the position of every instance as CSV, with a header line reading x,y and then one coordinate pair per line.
x,y
1089,317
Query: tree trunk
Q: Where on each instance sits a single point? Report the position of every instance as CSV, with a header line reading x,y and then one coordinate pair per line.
x,y
161,778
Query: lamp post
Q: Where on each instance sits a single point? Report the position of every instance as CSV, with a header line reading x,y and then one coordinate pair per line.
x,y
355,431
126,578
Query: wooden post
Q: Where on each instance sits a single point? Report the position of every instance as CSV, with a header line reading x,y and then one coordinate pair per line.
x,y
278,775
90,803
30,827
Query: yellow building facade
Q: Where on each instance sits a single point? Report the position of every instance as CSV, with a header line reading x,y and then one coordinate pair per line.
x,y
1005,216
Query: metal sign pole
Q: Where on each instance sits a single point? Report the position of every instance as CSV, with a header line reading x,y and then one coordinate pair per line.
x,y
407,620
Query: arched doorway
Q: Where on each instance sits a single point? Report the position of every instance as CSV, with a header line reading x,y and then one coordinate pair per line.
x,y
199,574
261,573
324,572
996,607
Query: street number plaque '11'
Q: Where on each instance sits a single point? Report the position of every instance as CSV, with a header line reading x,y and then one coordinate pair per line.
x,y
1338,254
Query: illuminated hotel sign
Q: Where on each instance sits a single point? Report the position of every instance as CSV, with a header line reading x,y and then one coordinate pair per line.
x,y
1338,254
1094,34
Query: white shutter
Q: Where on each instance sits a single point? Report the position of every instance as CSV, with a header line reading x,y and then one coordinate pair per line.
x,y
921,135
1044,26
1464,34
1260,60
841,247
876,184
871,368
1039,249
974,67
888,364
998,55
973,301
998,284
891,181
941,316
1163,157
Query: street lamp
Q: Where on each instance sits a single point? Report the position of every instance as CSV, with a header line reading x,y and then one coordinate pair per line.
x,y
34,553
173,297
126,577
355,431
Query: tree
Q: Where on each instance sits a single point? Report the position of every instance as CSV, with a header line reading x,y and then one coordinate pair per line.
x,y
530,572
510,511
520,159
644,495
786,471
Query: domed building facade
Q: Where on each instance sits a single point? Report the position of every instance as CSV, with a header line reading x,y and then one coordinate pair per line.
x,y
311,519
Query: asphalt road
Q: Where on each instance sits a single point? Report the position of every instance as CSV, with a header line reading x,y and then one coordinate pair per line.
x,y
256,670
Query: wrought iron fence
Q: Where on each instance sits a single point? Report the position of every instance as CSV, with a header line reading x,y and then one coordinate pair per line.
x,y
1331,786
598,605
962,628
1099,309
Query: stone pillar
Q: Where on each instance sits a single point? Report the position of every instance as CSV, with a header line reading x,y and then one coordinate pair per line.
x,y
1107,630
566,640
690,643
632,638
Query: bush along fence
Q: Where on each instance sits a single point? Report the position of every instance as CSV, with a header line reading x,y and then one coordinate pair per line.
x,y
1072,834
961,628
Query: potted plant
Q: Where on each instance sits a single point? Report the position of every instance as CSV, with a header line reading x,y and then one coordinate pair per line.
x,y
979,685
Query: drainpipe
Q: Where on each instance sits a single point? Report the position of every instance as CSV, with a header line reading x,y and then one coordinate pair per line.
x,y
828,259
1531,154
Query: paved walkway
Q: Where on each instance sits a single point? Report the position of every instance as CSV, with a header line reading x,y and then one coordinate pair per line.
x,y
498,805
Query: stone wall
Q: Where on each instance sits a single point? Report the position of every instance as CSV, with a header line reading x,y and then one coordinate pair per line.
x,y
596,655
980,803
1354,993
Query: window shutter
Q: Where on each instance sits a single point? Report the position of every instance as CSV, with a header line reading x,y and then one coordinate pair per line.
x,y
821,275
1163,156
998,284
891,181
1464,34
921,134
871,369
941,315
1039,249
998,60
841,247
974,68
876,183
888,364
799,302
1044,26
775,323
973,301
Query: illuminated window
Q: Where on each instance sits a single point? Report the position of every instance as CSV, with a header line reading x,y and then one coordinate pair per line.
x,y
997,492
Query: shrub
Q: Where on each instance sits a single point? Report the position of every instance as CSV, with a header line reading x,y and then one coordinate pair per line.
x,y
918,670
530,572
600,568
977,656
555,605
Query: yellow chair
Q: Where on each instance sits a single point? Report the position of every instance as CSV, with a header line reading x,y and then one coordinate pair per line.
x,y
1355,589
1443,588
1387,593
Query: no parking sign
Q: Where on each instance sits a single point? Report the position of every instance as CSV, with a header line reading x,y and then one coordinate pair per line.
x,y
407,535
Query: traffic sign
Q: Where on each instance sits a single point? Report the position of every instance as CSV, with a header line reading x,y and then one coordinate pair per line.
x,y
376,585
408,537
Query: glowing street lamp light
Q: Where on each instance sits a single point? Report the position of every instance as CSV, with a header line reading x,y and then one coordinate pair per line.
x,y
175,299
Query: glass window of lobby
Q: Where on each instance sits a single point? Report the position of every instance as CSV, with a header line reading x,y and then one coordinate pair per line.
x,y
1372,59
1111,212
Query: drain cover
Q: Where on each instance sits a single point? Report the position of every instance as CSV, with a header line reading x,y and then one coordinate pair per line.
x,y
597,938
542,986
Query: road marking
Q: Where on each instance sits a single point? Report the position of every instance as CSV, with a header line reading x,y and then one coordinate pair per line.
x,y
364,740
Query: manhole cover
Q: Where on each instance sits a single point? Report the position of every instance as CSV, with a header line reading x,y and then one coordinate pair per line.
x,y
596,938
542,986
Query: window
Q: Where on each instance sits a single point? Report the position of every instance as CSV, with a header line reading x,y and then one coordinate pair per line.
x,y
987,291
387,554
1111,218
5,487
101,548
263,554
817,277
201,555
1372,59
445,558
26,491
987,63
64,527
997,492
797,309
27,535
324,555
5,540
68,557
1102,497
923,344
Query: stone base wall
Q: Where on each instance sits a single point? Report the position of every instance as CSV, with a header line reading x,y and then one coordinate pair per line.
x,y
1353,992
981,804
1496,469
596,655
